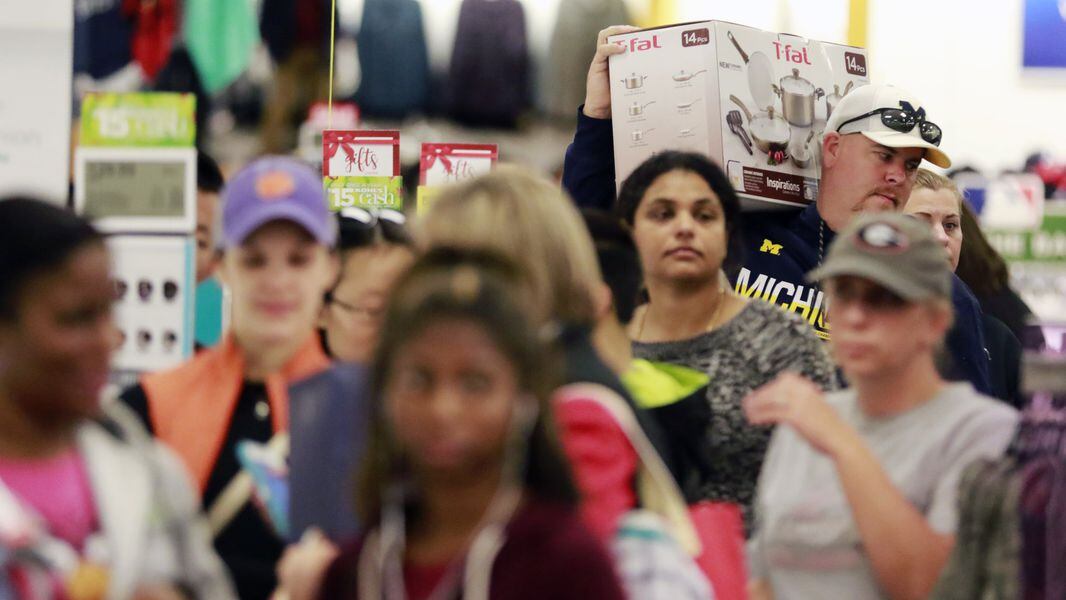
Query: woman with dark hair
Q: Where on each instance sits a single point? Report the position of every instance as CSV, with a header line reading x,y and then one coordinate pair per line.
x,y
685,220
92,508
465,490
985,272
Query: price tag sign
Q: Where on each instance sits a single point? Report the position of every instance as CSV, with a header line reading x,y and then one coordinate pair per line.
x,y
444,164
360,153
137,190
139,120
364,192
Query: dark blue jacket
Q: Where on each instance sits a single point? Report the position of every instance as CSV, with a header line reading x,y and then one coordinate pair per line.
x,y
329,417
781,248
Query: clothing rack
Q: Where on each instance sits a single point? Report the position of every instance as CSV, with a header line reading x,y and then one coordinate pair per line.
x,y
1012,510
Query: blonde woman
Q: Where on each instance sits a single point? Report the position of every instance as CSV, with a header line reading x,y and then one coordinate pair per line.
x,y
938,201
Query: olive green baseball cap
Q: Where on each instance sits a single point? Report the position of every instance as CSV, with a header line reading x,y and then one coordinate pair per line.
x,y
892,250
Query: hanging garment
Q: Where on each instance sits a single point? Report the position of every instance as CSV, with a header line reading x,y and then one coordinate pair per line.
x,y
986,559
489,77
1012,516
572,47
155,23
180,75
393,59
101,37
288,24
221,36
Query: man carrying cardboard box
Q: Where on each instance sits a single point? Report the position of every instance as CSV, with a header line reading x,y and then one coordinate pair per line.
x,y
870,152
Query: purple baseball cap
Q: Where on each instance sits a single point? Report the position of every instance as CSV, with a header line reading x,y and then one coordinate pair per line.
x,y
275,188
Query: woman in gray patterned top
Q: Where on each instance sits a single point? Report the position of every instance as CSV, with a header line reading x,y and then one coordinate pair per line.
x,y
684,214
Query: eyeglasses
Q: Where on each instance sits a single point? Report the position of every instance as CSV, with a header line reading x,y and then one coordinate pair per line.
x,y
904,120
874,297
372,314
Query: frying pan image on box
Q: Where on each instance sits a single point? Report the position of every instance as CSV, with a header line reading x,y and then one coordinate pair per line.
x,y
760,75
769,131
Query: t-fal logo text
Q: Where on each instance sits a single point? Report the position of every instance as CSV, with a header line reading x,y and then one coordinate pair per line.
x,y
639,45
790,54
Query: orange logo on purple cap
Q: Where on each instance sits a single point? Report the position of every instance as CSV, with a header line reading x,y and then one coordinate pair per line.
x,y
274,185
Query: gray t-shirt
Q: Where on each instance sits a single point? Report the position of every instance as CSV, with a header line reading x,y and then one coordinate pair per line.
x,y
807,544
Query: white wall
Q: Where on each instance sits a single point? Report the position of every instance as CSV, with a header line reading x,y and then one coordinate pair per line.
x,y
36,53
961,57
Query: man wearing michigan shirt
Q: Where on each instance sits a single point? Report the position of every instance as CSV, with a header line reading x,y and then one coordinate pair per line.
x,y
871,149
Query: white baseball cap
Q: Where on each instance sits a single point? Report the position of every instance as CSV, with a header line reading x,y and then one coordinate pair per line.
x,y
860,112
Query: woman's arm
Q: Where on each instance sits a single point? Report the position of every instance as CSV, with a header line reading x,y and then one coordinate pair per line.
x,y
907,555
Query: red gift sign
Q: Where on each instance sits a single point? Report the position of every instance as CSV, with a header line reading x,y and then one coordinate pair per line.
x,y
442,164
360,153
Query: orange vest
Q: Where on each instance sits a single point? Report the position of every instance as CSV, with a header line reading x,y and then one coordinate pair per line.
x,y
191,406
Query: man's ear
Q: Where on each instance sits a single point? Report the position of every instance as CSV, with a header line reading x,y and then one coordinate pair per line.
x,y
830,149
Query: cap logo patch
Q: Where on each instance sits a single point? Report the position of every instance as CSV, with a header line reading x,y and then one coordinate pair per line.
x,y
882,238
274,185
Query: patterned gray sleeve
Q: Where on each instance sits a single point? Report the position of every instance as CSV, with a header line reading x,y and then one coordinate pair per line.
x,y
800,350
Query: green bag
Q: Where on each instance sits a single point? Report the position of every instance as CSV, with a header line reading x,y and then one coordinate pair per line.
x,y
221,36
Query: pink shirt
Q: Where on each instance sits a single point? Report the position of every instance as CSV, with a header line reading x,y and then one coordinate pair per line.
x,y
58,489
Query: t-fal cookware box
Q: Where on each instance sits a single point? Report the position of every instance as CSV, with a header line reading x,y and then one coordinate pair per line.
x,y
753,101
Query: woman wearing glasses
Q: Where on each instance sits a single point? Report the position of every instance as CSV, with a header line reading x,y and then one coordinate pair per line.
x,y
328,412
375,249
856,498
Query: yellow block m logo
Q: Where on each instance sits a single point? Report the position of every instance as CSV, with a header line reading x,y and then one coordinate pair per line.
x,y
770,247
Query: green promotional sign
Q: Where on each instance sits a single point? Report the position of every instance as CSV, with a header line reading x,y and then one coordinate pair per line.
x,y
164,120
364,192
1047,244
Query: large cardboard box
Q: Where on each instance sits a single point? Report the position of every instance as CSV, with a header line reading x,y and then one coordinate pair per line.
x,y
753,101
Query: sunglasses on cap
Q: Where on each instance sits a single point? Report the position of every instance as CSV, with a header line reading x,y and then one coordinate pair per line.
x,y
904,120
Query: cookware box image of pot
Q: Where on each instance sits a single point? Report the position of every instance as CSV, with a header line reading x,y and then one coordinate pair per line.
x,y
638,134
760,75
797,98
833,99
769,131
634,81
637,109
801,154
